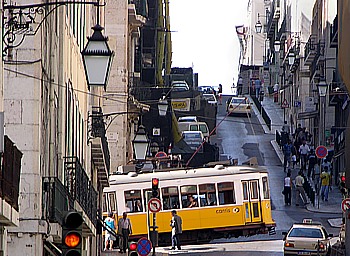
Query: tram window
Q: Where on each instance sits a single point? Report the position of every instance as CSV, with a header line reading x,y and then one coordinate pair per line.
x,y
112,202
189,196
226,193
245,190
104,203
254,190
207,194
133,200
265,188
170,197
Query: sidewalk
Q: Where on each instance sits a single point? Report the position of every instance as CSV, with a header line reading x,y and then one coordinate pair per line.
x,y
333,205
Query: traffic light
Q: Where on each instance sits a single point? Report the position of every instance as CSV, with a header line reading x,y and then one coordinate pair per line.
x,y
155,183
133,249
72,234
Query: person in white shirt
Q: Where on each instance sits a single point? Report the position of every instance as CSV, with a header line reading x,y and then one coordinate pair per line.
x,y
287,189
304,151
299,183
124,230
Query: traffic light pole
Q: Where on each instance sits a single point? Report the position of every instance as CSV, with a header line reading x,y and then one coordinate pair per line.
x,y
154,234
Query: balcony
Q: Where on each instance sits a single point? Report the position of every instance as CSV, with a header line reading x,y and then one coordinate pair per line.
x,y
310,51
334,33
9,184
138,12
99,146
273,19
80,189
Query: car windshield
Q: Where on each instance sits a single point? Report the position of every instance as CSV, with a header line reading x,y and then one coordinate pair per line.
x,y
306,232
239,101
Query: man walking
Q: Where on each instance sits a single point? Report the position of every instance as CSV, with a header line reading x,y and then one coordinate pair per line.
x,y
124,229
299,183
287,152
325,178
176,225
257,85
312,159
303,150
287,189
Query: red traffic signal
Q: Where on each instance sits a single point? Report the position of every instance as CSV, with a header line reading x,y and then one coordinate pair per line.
x,y
72,236
155,183
133,249
343,179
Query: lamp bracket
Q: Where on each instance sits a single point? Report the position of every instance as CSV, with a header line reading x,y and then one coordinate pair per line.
x,y
20,21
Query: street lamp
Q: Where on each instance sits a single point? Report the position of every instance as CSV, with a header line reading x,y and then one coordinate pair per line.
x,y
162,107
322,91
291,58
258,27
97,58
277,46
140,143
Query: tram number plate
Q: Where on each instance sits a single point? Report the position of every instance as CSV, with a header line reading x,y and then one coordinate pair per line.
x,y
304,253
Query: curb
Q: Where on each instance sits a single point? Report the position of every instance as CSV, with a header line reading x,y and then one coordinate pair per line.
x,y
277,150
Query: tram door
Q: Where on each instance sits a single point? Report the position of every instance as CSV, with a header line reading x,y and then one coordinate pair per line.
x,y
251,201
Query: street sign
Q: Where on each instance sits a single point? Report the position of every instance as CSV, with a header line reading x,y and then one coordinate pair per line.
x,y
161,154
144,246
345,204
154,205
321,152
285,104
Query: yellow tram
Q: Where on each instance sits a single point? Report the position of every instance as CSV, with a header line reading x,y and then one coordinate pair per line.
x,y
230,201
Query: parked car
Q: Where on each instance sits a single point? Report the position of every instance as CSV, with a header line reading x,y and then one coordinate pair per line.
x,y
211,99
194,139
307,238
238,105
194,126
187,119
179,86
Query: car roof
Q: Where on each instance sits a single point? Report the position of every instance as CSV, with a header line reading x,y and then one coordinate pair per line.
x,y
307,225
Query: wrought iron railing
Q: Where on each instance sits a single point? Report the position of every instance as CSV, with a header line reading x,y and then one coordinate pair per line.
x,y
80,187
10,173
262,111
141,7
310,46
334,31
56,199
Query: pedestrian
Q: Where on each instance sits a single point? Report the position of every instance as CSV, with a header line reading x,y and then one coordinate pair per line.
x,y
311,159
192,202
325,178
287,152
286,127
303,150
176,230
297,131
275,92
299,183
110,227
287,188
124,230
239,86
316,176
257,85
294,160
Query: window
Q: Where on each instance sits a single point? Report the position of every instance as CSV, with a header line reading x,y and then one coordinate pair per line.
x,y
170,198
254,190
133,201
207,194
189,196
245,190
306,232
104,203
112,202
266,189
226,193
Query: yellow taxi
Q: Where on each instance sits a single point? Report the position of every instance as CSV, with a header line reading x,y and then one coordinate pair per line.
x,y
307,238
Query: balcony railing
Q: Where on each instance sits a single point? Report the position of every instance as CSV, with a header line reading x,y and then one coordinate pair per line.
x,y
57,199
310,50
273,19
100,150
141,7
10,173
80,187
334,33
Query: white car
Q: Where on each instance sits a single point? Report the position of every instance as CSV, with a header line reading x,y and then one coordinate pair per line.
x,y
194,139
179,86
211,99
307,238
187,119
238,105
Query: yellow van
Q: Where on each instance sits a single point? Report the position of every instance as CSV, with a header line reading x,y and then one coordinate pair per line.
x,y
194,126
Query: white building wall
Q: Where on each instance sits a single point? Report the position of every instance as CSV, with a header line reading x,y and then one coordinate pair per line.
x,y
116,20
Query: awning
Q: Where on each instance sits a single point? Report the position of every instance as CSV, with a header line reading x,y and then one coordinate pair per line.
x,y
308,115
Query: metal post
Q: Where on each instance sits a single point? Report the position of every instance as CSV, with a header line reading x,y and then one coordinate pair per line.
x,y
154,232
322,117
284,115
347,232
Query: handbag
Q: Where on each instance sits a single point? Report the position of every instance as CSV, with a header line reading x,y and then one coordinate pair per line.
x,y
283,192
